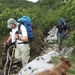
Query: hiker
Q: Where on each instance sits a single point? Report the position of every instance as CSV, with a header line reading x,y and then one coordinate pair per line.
x,y
62,32
22,49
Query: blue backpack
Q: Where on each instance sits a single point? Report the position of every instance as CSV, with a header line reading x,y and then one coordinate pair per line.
x,y
62,20
65,23
26,21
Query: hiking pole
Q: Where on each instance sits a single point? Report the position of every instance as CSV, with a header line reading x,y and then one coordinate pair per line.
x,y
9,69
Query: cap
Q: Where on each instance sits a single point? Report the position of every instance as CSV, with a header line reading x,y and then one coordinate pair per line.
x,y
10,22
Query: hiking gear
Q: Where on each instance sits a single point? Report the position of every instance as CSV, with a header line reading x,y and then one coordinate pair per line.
x,y
10,22
63,33
22,53
62,20
26,21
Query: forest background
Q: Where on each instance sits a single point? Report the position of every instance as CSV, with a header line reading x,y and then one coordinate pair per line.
x,y
44,14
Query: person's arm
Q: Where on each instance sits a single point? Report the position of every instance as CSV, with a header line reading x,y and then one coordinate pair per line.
x,y
54,27
24,37
8,40
66,31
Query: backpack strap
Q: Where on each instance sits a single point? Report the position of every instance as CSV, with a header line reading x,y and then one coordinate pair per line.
x,y
19,26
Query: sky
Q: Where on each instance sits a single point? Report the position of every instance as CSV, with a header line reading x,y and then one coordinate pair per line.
x,y
33,0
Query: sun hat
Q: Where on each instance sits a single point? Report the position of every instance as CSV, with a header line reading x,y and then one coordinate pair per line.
x,y
10,22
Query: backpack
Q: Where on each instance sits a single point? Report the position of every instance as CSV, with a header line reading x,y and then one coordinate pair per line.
x,y
26,21
65,23
62,20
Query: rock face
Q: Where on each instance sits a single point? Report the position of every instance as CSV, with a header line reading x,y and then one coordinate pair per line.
x,y
63,0
52,35
44,61
39,64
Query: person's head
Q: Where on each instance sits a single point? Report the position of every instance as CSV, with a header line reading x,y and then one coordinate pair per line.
x,y
11,23
62,23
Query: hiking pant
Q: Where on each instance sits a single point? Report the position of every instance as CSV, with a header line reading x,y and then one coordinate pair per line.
x,y
22,52
60,39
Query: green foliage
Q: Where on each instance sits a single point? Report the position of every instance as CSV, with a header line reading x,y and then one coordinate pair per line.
x,y
55,60
71,71
73,38
69,41
44,13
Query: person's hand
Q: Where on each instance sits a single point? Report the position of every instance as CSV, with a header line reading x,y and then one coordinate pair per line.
x,y
4,43
54,27
16,36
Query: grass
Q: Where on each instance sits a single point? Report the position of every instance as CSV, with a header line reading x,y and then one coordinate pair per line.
x,y
71,71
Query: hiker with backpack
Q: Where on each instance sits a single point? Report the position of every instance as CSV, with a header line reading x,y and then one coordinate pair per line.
x,y
62,31
20,38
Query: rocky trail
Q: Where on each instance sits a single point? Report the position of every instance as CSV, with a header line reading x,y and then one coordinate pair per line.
x,y
45,57
44,60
